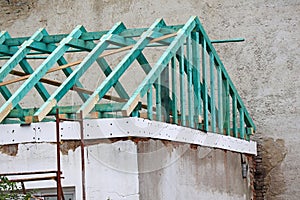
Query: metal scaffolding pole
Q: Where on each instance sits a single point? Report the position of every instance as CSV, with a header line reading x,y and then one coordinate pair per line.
x,y
82,157
58,181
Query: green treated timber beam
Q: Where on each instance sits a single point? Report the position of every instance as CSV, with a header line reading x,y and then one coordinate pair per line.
x,y
159,66
109,107
157,34
107,70
174,90
196,73
182,64
38,73
81,44
77,73
120,68
134,32
228,40
68,71
204,88
190,91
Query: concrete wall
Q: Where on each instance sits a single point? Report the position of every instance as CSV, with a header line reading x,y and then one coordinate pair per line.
x,y
111,169
176,171
264,68
135,170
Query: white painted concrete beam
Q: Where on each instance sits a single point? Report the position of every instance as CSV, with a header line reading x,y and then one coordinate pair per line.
x,y
121,127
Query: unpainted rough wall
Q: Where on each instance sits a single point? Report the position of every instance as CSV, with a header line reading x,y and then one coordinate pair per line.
x,y
264,68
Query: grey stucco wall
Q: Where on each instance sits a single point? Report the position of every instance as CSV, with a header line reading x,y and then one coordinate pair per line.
x,y
264,68
141,169
169,170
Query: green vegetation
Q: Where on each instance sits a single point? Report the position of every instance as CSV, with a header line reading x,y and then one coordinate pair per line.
x,y
10,190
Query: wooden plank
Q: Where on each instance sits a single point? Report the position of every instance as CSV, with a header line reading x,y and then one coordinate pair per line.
x,y
242,123
212,92
190,91
182,87
150,103
196,77
234,115
165,93
220,100
204,86
226,106
158,99
174,90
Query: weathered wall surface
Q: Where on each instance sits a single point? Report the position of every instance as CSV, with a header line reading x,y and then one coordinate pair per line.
x,y
177,171
264,68
111,168
135,170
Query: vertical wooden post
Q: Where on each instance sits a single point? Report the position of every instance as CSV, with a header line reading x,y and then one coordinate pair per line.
x,y
158,99
182,86
150,103
205,99
226,103
212,93
196,77
234,112
189,80
220,100
242,123
165,93
174,91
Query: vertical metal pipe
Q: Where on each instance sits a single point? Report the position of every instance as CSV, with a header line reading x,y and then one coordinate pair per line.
x,y
82,157
58,181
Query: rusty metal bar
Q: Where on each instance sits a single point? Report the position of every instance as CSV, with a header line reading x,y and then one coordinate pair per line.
x,y
82,157
27,173
58,180
33,179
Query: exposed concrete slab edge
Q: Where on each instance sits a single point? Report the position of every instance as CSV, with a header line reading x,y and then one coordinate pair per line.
x,y
122,127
